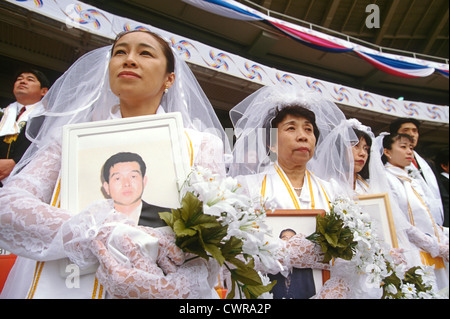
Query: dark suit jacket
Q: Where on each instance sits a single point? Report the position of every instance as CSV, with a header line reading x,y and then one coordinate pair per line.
x,y
443,192
17,148
445,196
298,285
150,217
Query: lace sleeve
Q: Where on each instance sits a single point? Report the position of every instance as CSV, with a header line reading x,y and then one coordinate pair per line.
x,y
333,288
143,279
303,253
430,244
28,224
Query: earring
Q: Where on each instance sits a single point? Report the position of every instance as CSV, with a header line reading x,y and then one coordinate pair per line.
x,y
166,90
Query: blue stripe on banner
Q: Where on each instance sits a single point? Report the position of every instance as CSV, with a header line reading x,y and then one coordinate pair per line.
x,y
396,63
234,8
443,72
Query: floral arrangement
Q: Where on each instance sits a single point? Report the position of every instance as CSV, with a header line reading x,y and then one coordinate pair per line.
x,y
346,232
216,220
412,283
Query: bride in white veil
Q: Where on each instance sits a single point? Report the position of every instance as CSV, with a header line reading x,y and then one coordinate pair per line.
x,y
281,131
30,225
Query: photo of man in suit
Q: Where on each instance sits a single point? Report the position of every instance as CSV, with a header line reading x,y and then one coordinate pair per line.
x,y
124,182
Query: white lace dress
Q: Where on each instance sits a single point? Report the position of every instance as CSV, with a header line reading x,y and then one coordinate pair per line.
x,y
35,230
301,253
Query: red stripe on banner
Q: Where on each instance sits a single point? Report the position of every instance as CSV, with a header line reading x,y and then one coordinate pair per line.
x,y
385,68
309,38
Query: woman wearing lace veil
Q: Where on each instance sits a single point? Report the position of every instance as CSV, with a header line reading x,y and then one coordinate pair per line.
x,y
137,76
361,157
366,176
280,131
427,242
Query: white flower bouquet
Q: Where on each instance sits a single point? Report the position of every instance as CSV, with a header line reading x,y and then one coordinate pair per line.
x,y
217,220
359,245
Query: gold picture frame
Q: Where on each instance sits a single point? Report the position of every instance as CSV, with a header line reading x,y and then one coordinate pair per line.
x,y
379,208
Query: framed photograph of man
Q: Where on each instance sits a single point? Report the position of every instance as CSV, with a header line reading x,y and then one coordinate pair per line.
x,y
288,222
157,140
379,208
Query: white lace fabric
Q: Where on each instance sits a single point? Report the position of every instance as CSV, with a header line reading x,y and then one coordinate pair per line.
x,y
36,230
30,226
333,288
303,253
143,279
299,252
436,247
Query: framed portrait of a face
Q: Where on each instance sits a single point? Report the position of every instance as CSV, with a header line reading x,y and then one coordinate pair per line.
x,y
379,209
287,222
159,140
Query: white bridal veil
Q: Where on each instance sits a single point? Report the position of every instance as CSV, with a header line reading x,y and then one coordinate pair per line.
x,y
82,94
252,121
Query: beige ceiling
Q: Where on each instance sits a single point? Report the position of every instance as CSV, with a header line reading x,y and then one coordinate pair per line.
x,y
419,26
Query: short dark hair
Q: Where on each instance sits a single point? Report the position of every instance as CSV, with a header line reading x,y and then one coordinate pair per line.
x,y
396,124
286,230
122,157
441,158
388,140
361,134
276,115
43,80
163,44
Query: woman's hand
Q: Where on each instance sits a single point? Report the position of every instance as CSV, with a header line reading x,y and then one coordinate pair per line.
x,y
141,278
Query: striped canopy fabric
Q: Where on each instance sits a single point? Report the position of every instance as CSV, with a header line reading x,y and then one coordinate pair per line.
x,y
391,64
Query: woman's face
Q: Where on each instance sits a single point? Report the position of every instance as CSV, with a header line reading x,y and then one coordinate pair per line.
x,y
401,153
296,141
137,69
360,154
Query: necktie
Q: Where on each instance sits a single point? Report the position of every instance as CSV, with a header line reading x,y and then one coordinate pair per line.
x,y
21,112
415,163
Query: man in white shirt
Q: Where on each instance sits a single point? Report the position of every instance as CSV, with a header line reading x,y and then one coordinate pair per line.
x,y
30,87
426,168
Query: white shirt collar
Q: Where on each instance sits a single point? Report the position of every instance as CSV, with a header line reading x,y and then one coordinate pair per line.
x,y
135,214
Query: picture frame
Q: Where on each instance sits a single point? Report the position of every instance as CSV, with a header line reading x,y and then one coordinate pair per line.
x,y
379,208
86,146
301,221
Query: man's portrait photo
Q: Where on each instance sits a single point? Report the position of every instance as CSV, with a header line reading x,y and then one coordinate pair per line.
x,y
139,163
124,180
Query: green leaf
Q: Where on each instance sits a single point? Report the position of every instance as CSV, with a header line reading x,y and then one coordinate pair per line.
x,y
213,235
192,245
179,227
232,248
167,217
232,293
332,239
247,275
253,292
215,253
191,206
